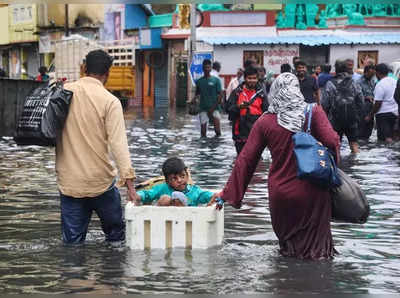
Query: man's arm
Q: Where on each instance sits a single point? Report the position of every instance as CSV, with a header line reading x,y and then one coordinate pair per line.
x,y
397,92
118,142
378,96
317,92
359,98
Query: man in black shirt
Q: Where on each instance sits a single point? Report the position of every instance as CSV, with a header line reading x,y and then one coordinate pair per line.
x,y
308,84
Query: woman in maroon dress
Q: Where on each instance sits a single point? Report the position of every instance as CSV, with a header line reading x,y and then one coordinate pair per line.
x,y
300,211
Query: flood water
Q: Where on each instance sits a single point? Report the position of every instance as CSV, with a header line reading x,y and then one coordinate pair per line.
x,y
34,260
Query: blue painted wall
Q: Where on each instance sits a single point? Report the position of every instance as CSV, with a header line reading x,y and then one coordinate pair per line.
x,y
135,17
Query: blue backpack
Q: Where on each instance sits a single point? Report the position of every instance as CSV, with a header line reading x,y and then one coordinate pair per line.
x,y
314,161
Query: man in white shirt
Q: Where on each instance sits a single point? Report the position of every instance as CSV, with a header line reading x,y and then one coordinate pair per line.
x,y
216,68
234,83
385,107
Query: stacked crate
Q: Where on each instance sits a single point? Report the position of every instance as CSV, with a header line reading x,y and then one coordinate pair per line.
x,y
70,55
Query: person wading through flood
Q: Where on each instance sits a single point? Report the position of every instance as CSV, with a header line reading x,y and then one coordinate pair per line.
x,y
300,210
343,101
208,88
245,105
86,176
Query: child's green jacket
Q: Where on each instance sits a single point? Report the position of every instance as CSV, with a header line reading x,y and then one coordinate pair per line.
x,y
195,194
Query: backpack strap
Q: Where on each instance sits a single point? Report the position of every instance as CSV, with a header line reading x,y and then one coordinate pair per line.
x,y
308,111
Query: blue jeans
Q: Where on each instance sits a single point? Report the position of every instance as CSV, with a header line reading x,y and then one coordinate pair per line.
x,y
76,214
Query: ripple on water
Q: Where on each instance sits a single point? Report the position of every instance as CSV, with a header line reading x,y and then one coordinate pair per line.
x,y
34,260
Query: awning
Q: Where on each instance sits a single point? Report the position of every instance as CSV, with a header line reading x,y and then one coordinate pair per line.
x,y
308,40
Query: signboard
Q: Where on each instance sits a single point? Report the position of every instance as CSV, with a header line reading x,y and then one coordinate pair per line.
x,y
150,38
196,67
275,56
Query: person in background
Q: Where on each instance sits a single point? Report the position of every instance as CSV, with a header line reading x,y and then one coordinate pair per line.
x,y
350,69
262,80
286,68
300,211
176,190
234,83
208,89
245,105
86,176
367,84
42,76
325,75
343,101
2,73
308,84
216,68
385,107
294,61
317,71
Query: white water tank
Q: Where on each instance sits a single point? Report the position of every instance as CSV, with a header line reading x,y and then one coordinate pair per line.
x,y
168,227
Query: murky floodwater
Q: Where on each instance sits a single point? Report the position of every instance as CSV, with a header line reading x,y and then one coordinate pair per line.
x,y
34,260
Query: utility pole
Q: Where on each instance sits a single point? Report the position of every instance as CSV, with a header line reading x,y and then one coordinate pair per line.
x,y
66,20
192,44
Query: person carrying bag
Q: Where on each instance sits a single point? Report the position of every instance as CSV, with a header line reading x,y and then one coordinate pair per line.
x,y
316,164
314,161
43,116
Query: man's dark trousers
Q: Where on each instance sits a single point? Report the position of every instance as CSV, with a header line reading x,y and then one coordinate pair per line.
x,y
76,214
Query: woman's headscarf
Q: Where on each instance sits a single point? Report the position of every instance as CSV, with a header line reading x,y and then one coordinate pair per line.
x,y
287,101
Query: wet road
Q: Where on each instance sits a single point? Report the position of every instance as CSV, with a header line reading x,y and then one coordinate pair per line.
x,y
33,259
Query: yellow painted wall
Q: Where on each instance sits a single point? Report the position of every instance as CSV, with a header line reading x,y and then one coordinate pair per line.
x,y
267,6
22,22
4,34
56,13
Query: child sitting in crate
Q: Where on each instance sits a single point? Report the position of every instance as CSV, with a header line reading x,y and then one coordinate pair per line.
x,y
176,191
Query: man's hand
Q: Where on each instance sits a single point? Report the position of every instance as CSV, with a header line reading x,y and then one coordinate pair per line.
x,y
244,105
369,98
132,195
368,118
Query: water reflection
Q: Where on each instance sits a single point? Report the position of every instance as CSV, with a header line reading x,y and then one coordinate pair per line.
x,y
33,259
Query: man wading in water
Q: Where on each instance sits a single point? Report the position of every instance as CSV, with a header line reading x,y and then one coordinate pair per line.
x,y
85,174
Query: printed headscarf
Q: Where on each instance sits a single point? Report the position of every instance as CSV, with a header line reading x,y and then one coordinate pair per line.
x,y
287,101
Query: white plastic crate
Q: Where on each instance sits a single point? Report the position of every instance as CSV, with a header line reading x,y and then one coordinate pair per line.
x,y
167,227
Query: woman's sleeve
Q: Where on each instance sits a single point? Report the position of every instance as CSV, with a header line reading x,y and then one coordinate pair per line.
x,y
245,165
323,131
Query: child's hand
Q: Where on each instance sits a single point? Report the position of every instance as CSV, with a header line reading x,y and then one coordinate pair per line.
x,y
215,199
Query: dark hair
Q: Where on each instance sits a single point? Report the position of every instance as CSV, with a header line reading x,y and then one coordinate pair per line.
x,y
173,165
300,63
340,66
98,62
42,70
251,70
295,58
326,68
285,67
207,62
368,67
382,68
349,60
262,68
249,62
217,66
